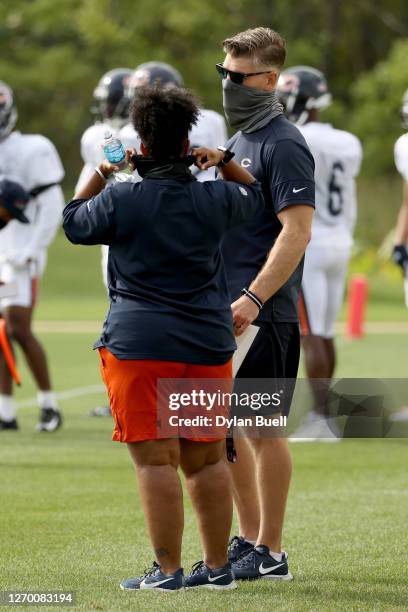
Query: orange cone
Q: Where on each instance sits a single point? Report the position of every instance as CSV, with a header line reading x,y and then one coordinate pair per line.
x,y
8,353
357,301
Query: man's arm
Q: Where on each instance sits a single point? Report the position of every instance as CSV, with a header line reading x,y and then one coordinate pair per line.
x,y
401,232
282,261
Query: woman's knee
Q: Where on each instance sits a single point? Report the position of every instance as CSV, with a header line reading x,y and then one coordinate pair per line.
x,y
155,453
195,456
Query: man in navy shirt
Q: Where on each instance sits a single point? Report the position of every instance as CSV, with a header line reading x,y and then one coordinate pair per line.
x,y
264,261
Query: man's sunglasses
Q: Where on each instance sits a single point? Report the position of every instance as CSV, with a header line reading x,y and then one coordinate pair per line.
x,y
236,77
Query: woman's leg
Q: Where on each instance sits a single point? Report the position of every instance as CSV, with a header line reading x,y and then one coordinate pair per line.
x,y
208,484
156,463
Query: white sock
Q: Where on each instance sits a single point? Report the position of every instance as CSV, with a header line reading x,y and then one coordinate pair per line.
x,y
8,408
47,399
276,556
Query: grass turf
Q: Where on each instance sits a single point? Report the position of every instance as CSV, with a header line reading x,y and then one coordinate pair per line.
x,y
71,519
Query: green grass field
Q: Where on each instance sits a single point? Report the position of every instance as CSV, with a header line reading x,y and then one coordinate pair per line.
x,y
70,515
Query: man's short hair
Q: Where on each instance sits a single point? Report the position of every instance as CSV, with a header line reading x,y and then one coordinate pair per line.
x,y
265,46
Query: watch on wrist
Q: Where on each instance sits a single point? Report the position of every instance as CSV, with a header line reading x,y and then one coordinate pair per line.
x,y
228,155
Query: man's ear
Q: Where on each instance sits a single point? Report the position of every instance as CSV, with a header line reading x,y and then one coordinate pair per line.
x,y
144,150
273,77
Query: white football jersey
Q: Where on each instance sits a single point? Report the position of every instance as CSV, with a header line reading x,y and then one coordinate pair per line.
x,y
401,156
33,161
337,156
210,131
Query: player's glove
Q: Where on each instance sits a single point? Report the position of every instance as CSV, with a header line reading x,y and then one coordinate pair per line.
x,y
400,256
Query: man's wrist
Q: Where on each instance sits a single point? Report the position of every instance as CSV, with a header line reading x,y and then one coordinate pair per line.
x,y
253,297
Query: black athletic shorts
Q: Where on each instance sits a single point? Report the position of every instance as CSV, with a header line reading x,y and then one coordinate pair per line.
x,y
273,354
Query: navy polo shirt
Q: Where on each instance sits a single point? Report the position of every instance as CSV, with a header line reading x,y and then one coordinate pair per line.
x,y
279,158
169,298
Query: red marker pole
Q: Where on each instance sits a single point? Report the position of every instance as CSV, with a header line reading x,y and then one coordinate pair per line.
x,y
357,301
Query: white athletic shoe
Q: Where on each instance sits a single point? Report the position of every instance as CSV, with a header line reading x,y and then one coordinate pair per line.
x,y
50,420
316,428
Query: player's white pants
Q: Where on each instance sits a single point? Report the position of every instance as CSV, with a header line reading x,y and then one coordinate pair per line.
x,y
324,277
24,281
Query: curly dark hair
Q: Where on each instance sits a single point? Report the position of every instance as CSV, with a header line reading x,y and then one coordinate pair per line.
x,y
163,118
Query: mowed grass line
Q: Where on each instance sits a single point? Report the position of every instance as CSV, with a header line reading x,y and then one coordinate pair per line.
x,y
71,517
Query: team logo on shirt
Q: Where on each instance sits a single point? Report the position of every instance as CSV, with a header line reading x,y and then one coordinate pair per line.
x,y
243,191
246,162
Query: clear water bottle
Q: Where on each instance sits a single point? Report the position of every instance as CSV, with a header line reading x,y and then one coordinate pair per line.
x,y
114,151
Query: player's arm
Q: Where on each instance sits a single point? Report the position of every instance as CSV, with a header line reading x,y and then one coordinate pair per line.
x,y
50,204
43,168
400,253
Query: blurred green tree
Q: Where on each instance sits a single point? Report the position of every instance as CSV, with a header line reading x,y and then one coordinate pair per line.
x,y
53,53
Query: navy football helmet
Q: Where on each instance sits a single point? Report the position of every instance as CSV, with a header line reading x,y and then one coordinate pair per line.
x,y
154,73
111,95
301,89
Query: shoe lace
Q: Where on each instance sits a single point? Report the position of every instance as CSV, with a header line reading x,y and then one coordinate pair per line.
x,y
151,570
196,569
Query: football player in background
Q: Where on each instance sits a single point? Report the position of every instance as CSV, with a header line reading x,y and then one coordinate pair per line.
x,y
400,251
304,92
111,109
32,161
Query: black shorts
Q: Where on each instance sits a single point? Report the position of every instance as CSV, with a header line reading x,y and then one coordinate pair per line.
x,y
273,354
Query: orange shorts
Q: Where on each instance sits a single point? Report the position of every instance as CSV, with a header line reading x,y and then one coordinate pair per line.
x,y
133,397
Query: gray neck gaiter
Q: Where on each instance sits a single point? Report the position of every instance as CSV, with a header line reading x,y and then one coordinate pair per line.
x,y
248,109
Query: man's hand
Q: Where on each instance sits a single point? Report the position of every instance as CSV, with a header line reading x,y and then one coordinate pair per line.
x,y
244,312
207,158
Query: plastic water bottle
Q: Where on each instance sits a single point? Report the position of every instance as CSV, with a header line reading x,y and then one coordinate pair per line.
x,y
114,151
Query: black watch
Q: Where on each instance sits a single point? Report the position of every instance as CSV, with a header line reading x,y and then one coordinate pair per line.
x,y
228,155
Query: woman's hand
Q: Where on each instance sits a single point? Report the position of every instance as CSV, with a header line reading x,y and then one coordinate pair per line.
x,y
107,168
207,158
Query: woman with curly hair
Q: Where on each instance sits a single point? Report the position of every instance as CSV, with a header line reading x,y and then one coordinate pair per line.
x,y
169,317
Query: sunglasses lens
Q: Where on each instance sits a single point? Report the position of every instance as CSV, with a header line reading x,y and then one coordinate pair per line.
x,y
222,71
237,78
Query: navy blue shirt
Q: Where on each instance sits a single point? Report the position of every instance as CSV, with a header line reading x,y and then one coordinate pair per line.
x,y
167,285
278,156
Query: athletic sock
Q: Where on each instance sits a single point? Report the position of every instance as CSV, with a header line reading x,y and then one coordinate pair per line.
x,y
8,408
276,556
47,399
